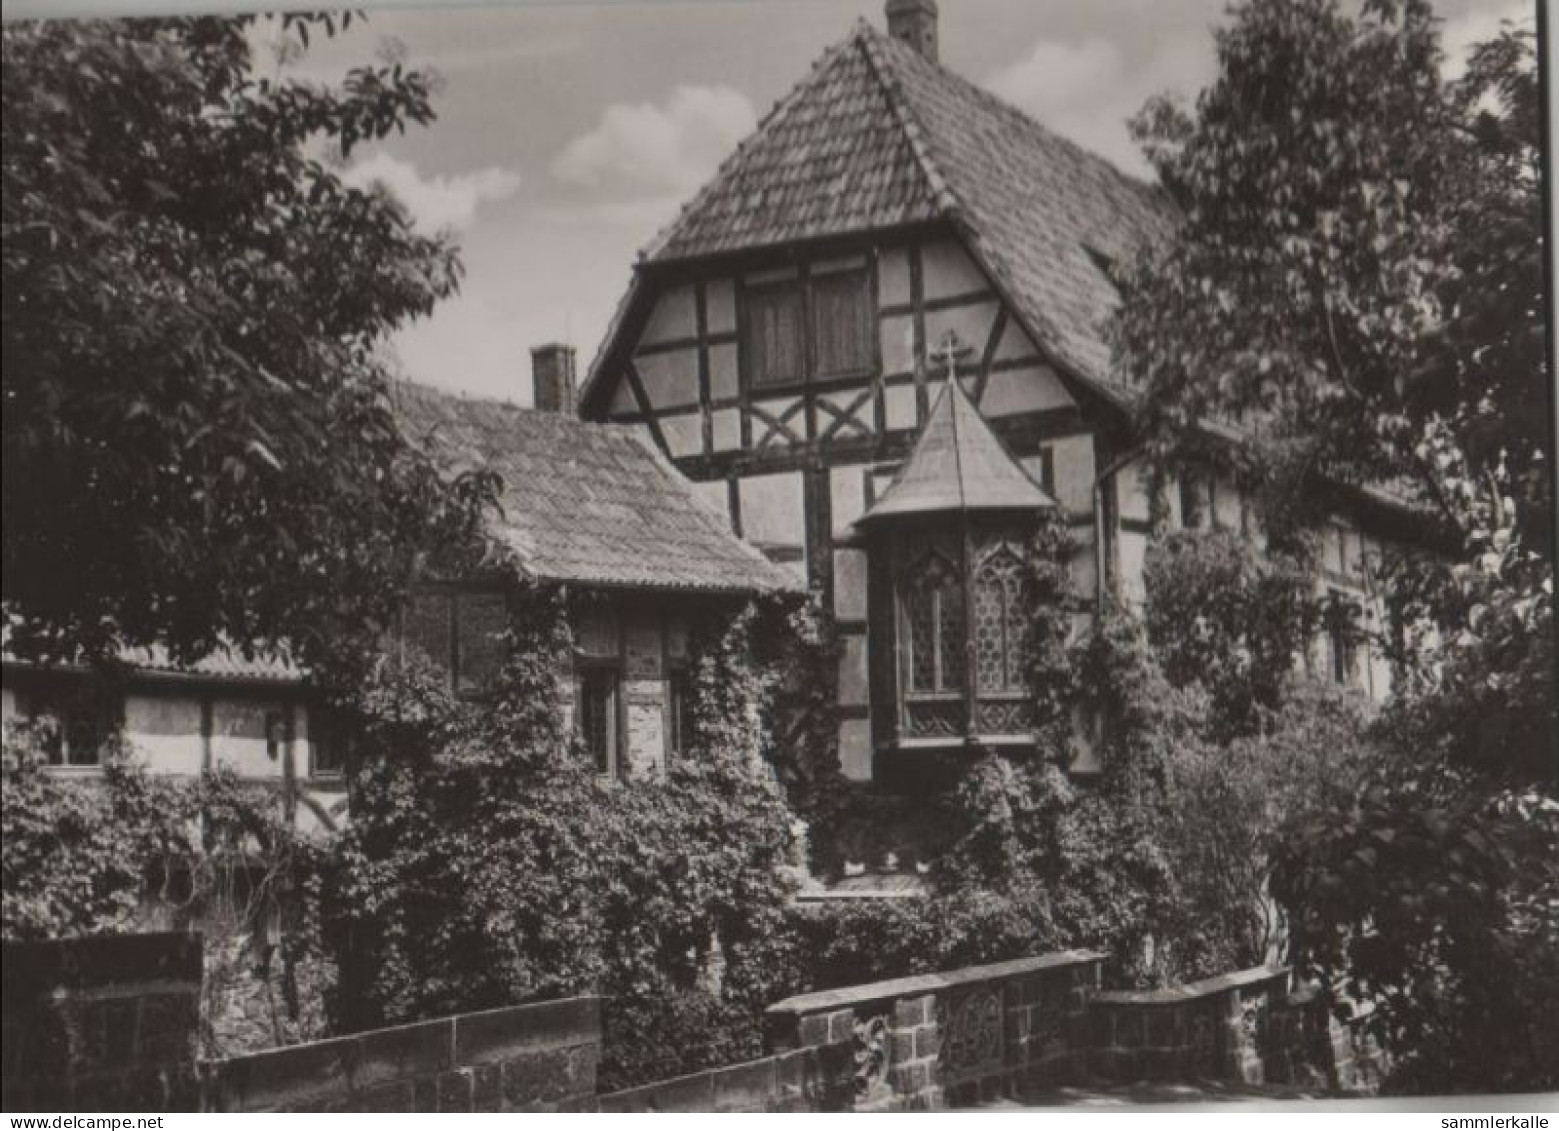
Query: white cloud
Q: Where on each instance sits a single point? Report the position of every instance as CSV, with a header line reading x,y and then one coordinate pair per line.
x,y
436,203
1087,91
1479,25
663,149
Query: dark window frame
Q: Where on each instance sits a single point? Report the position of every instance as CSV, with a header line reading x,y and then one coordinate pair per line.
x,y
449,662
679,688
585,670
907,588
66,704
804,289
329,748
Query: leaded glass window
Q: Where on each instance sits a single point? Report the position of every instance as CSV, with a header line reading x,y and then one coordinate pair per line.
x,y
1001,614
934,625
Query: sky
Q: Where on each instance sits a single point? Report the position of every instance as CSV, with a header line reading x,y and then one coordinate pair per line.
x,y
569,133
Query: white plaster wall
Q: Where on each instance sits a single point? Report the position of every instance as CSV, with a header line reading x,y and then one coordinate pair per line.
x,y
853,677
165,732
672,317
238,736
720,306
850,573
947,270
1032,389
684,433
893,276
670,379
1073,461
773,509
855,749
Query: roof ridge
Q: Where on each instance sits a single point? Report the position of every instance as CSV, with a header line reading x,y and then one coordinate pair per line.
x,y
784,102
953,414
911,126
1029,122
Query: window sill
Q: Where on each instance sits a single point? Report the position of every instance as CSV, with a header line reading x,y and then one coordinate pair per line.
x,y
910,745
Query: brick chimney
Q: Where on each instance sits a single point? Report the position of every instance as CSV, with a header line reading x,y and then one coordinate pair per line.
x,y
914,21
552,369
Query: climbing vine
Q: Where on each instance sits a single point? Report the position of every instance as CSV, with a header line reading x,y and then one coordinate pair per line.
x,y
132,850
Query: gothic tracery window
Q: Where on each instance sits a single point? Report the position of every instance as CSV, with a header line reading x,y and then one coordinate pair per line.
x,y
934,626
1001,614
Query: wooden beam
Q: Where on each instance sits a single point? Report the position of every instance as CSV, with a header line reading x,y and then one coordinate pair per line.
x,y
988,358
641,398
701,325
917,299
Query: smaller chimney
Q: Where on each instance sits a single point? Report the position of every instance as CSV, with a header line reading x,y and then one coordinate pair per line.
x,y
552,369
914,21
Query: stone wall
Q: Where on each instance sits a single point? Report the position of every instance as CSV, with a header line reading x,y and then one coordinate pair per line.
x,y
951,1039
1244,1028
539,1057
107,1023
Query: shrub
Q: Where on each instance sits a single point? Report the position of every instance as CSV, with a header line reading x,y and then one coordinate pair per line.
x,y
486,863
129,851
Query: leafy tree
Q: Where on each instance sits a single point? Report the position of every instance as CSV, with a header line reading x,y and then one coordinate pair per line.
x,y
1221,615
487,864
1357,279
1357,284
198,444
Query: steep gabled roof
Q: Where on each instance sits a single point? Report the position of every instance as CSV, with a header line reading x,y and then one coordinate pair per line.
x,y
822,163
593,504
958,464
877,137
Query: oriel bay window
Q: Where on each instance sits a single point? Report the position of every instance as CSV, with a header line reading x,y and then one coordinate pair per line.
x,y
931,627
951,614
962,611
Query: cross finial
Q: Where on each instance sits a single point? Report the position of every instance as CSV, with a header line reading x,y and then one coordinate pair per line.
x,y
949,351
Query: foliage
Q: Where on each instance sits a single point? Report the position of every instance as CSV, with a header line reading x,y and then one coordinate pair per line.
x,y
85,856
1222,615
1357,269
198,442
1434,896
799,644
72,866
129,850
1358,282
487,864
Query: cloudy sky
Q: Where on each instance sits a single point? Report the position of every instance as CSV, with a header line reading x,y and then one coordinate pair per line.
x,y
568,133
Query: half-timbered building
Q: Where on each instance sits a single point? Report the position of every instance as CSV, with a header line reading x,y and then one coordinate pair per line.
x,y
876,340
595,511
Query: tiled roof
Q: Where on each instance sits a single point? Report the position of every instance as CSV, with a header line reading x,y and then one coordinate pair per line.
x,y
878,136
958,464
225,663
586,503
822,163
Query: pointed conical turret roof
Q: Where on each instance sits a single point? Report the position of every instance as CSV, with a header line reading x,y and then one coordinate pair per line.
x,y
958,464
